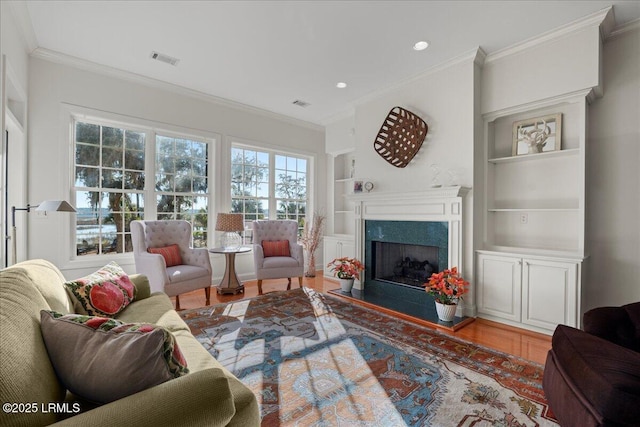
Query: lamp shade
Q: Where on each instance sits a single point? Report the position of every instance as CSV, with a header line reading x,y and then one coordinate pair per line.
x,y
229,222
55,206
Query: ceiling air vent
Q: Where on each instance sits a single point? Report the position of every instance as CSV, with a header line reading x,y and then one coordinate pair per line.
x,y
301,103
164,58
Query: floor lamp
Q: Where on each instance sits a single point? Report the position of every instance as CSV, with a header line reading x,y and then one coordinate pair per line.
x,y
46,206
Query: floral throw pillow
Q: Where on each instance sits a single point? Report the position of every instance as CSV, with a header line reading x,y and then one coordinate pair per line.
x,y
102,359
105,293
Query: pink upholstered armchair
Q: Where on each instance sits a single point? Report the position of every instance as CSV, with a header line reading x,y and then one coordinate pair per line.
x,y
171,270
276,251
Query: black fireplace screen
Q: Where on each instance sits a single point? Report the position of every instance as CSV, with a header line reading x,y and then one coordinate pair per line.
x,y
404,263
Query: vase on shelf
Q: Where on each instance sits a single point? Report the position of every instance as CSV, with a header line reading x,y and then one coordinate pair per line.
x,y
446,312
346,285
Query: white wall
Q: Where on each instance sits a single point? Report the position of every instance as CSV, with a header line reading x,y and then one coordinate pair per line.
x,y
446,99
613,186
53,86
524,74
14,65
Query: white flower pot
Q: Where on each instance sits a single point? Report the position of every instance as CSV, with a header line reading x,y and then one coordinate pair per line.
x,y
346,285
446,312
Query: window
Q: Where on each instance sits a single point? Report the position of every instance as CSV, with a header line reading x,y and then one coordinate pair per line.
x,y
268,185
291,187
181,183
111,185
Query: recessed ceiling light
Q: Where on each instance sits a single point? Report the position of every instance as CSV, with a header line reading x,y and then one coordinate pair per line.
x,y
341,85
421,45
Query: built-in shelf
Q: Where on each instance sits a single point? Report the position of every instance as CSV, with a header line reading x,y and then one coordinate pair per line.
x,y
341,188
534,157
534,210
533,221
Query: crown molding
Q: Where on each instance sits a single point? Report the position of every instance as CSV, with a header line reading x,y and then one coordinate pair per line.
x,y
594,19
476,55
21,14
82,64
469,56
623,29
340,115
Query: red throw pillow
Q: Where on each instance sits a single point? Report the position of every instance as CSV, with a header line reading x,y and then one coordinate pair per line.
x,y
104,293
171,254
275,248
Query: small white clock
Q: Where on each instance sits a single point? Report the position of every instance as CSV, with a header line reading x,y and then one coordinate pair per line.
x,y
368,186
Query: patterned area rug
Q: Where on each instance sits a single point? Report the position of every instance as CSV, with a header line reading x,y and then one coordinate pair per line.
x,y
316,360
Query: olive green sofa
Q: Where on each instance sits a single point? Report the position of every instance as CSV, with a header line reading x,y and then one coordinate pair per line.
x,y
32,395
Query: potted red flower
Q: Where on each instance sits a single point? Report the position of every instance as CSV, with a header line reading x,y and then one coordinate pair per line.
x,y
347,270
447,287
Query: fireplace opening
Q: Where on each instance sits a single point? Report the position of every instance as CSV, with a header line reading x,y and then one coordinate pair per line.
x,y
404,264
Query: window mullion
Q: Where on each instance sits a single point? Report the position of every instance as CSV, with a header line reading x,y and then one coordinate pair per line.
x,y
150,204
273,205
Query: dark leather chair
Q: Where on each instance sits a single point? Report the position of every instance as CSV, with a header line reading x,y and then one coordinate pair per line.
x,y
592,376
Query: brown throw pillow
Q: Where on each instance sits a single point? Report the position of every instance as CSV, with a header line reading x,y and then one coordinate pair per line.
x,y
171,254
102,359
275,248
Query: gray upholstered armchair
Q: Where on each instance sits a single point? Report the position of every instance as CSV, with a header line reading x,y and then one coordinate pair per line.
x,y
171,270
276,251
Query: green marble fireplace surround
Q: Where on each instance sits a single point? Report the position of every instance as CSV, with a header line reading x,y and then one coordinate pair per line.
x,y
431,236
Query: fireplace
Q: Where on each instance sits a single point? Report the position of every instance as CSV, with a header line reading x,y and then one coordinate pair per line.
x,y
402,264
401,255
395,234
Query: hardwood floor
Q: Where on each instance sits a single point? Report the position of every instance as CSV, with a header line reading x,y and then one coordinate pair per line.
x,y
519,342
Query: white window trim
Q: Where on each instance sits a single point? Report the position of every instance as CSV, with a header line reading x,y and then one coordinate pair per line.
x,y
231,141
70,113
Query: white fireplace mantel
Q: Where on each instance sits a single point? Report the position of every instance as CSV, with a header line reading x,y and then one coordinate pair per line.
x,y
442,204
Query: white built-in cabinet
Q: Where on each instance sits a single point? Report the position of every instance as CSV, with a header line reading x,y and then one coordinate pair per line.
x,y
538,293
528,266
337,246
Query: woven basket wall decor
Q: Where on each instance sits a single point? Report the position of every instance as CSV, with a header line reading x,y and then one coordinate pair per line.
x,y
400,137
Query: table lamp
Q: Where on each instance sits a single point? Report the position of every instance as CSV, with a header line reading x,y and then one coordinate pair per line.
x,y
230,224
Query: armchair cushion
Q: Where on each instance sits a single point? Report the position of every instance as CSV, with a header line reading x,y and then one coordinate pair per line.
x,y
171,254
276,248
106,292
102,359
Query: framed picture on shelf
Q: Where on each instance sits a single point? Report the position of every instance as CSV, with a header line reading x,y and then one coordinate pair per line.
x,y
537,135
357,186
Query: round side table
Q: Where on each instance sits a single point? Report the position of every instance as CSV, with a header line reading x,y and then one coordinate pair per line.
x,y
230,283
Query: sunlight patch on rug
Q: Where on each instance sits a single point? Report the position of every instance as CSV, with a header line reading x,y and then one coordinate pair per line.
x,y
314,360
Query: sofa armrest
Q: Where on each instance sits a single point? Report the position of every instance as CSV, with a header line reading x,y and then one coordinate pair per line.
x,y
141,282
201,398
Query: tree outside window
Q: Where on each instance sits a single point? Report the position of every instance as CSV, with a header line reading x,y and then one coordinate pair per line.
x,y
110,184
268,185
182,185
